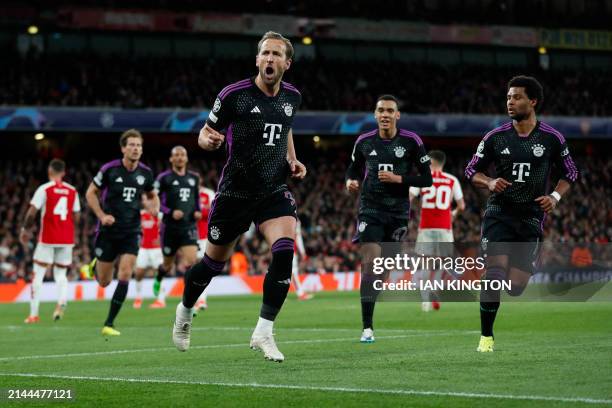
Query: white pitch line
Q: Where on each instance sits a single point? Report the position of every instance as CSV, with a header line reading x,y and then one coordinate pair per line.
x,y
321,388
211,346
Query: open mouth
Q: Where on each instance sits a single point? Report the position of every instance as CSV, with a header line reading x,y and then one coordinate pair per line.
x,y
269,71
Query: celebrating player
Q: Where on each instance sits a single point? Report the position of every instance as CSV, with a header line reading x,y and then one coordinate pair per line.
x,y
180,203
59,204
436,225
258,114
149,255
523,152
122,183
383,159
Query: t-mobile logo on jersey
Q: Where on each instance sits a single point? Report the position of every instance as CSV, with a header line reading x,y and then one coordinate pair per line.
x,y
385,167
128,194
184,194
520,170
273,133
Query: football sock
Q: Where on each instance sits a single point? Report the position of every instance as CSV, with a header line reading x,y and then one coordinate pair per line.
x,y
117,301
490,301
138,289
161,273
37,282
368,299
59,275
277,280
198,277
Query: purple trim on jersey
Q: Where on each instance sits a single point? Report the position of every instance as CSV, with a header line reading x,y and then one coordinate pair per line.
x,y
469,169
114,163
230,140
355,238
162,203
290,87
542,223
163,174
547,128
570,166
412,135
246,83
366,135
216,266
212,207
144,166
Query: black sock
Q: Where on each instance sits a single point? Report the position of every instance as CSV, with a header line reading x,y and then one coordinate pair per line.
x,y
490,301
368,299
161,272
367,314
277,280
198,277
117,301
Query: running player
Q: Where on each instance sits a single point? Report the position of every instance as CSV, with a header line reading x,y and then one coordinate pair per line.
x,y
435,235
180,203
59,205
149,254
383,159
258,113
121,183
523,152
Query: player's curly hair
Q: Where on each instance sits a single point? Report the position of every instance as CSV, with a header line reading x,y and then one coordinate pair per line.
x,y
273,35
533,88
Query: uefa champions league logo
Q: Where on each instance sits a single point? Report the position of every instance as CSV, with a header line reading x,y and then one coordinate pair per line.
x,y
215,233
217,105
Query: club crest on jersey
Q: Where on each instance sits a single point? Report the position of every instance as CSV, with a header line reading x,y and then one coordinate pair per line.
x,y
538,150
480,149
140,180
565,152
167,250
215,233
399,152
191,182
362,226
288,108
98,252
217,105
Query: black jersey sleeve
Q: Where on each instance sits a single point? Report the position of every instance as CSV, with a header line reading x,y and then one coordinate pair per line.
x,y
101,178
222,113
161,189
356,166
424,178
564,163
481,160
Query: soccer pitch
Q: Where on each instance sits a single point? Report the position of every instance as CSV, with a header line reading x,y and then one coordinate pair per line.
x,y
547,355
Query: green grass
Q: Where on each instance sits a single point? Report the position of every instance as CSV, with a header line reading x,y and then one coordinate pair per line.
x,y
543,350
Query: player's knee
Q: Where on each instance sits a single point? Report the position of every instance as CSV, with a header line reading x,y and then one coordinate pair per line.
x,y
104,282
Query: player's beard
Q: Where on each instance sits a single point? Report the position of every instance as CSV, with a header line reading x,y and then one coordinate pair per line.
x,y
519,117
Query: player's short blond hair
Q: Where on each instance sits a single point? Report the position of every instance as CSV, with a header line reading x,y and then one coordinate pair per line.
x,y
127,134
273,35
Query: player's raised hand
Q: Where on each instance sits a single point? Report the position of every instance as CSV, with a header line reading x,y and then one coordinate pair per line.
x,y
298,170
107,220
210,139
389,177
498,185
352,186
547,203
177,214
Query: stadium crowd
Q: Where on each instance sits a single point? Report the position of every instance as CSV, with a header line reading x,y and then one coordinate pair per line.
x,y
117,81
326,211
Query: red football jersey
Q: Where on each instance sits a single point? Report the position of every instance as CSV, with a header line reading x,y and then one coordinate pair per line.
x,y
57,202
150,230
436,200
206,198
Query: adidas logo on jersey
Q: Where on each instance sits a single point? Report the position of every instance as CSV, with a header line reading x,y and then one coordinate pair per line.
x,y
373,153
255,109
175,183
118,180
505,151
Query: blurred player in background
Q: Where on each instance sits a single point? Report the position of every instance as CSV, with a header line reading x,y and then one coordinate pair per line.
x,y
207,196
149,255
383,159
435,235
59,207
300,254
523,152
180,204
121,183
258,115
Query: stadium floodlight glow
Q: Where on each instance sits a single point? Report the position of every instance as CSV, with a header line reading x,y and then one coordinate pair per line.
x,y
316,139
39,136
307,40
32,30
542,50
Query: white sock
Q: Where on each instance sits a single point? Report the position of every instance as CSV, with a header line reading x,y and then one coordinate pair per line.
x,y
162,294
296,282
37,282
138,289
59,275
183,312
264,327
